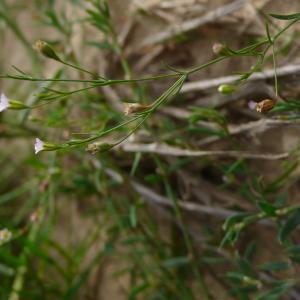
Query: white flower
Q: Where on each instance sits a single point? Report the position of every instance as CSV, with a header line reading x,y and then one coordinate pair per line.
x,y
5,235
38,146
4,103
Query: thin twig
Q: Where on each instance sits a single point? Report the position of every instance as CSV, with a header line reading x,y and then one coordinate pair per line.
x,y
219,212
186,205
189,25
211,83
164,149
254,127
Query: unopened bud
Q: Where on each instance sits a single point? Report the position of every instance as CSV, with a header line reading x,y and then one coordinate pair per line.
x,y
265,105
46,50
220,49
36,216
98,147
226,89
135,108
13,104
252,281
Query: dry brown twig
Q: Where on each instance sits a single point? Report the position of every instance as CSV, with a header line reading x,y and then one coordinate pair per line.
x,y
215,82
254,127
186,205
153,197
164,149
189,25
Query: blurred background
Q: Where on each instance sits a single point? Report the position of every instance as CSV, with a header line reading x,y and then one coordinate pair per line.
x,y
144,220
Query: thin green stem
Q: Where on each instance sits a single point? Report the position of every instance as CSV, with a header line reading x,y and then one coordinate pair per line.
x,y
81,69
101,134
186,236
275,71
95,81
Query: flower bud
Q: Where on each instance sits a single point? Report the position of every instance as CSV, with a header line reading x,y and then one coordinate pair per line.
x,y
13,104
46,50
36,216
98,147
226,89
265,105
134,108
221,49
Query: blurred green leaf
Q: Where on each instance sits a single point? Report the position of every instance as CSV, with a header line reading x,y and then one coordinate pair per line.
x,y
286,17
267,208
277,266
176,262
289,225
275,293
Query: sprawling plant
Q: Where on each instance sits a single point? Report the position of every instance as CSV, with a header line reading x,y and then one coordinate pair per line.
x,y
157,270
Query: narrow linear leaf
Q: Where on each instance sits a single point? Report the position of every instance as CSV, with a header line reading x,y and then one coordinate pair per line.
x,y
275,293
286,17
291,223
277,266
267,208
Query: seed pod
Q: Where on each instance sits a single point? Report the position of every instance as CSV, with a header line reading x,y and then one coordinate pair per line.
x,y
226,89
13,104
220,49
46,50
98,147
133,108
265,105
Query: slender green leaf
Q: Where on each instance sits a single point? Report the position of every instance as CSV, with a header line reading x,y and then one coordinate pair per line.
x,y
291,223
286,17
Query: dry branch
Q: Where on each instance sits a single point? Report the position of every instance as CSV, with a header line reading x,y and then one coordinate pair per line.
x,y
157,199
211,83
193,24
164,149
186,205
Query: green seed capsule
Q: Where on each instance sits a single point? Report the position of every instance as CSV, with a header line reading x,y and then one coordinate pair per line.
x,y
13,104
46,50
226,89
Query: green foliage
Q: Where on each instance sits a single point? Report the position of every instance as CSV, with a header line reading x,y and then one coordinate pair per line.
x,y
289,225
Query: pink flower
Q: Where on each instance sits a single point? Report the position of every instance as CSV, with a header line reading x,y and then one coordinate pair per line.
x,y
252,105
38,146
4,103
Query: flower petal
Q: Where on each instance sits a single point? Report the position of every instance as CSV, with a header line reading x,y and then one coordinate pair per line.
x,y
4,103
38,146
252,104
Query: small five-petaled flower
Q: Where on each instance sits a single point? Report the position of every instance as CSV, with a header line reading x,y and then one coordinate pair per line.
x,y
5,236
4,103
38,146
